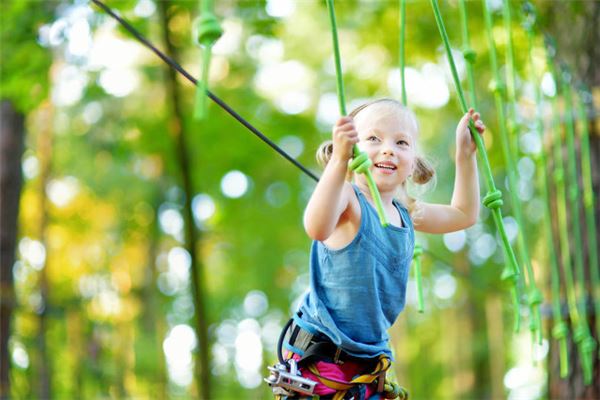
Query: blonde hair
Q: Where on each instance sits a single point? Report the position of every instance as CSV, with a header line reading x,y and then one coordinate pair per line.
x,y
422,172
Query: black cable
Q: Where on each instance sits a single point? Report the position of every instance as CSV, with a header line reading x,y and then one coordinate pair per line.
x,y
280,341
213,97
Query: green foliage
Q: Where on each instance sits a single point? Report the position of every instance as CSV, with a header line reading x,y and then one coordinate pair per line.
x,y
24,72
107,253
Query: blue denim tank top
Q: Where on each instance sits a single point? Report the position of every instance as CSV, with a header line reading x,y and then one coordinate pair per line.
x,y
357,292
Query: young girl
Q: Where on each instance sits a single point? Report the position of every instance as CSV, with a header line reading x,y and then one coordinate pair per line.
x,y
358,268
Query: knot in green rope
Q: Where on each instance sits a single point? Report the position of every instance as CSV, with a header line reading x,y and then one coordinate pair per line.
x,y
360,163
589,345
391,390
208,30
579,333
560,330
470,55
493,200
535,297
497,87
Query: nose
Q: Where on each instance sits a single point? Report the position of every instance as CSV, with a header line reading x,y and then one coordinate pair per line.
x,y
387,149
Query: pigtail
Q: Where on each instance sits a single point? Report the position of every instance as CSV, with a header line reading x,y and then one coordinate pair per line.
x,y
423,173
324,153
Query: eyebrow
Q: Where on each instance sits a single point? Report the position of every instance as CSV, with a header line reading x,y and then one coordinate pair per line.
x,y
401,135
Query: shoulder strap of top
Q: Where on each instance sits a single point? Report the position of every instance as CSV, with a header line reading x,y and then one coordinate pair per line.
x,y
404,213
365,207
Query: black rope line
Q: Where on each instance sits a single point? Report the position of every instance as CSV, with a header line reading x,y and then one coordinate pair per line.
x,y
172,63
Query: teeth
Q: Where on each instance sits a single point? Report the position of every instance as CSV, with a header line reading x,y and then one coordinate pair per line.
x,y
385,166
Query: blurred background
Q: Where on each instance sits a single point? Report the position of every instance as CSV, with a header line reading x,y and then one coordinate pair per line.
x,y
149,255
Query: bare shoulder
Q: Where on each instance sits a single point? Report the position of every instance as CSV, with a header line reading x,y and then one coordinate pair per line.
x,y
349,222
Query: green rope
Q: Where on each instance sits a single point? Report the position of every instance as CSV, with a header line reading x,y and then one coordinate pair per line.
x,y
417,266
534,296
468,53
418,252
560,329
581,334
493,199
402,50
588,201
577,315
207,31
362,167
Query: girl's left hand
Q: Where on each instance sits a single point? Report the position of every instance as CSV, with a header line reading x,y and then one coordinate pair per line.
x,y
465,145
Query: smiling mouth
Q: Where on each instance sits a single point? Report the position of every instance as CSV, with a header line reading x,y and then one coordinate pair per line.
x,y
388,167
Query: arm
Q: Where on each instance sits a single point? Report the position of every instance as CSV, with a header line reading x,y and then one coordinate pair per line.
x,y
331,196
464,207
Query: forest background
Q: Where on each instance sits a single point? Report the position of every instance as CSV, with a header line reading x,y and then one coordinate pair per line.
x,y
122,215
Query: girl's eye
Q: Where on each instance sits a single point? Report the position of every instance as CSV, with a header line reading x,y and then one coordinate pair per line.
x,y
403,142
372,138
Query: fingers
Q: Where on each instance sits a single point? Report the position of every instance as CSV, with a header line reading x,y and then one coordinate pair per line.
x,y
480,126
476,117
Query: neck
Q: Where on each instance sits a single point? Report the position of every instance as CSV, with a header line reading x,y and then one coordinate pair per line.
x,y
387,196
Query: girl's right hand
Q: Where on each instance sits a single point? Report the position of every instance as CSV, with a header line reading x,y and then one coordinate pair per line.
x,y
345,137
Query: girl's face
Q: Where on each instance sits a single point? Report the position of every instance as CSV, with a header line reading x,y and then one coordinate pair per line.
x,y
387,134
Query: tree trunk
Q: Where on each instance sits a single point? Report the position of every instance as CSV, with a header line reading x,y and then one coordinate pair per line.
x,y
12,132
44,147
191,235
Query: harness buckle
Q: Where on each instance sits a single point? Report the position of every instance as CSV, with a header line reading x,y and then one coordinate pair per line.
x,y
285,380
336,357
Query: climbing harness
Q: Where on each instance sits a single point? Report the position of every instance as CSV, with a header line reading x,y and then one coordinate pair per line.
x,y
285,379
361,162
312,346
493,199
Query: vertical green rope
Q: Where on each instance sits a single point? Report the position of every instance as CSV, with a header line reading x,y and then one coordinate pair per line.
x,y
498,88
561,198
207,31
534,295
560,329
468,53
361,161
588,202
577,317
402,50
493,199
581,333
418,252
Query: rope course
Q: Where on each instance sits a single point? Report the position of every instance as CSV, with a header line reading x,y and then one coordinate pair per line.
x,y
581,332
577,310
510,127
560,329
582,101
493,199
564,177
